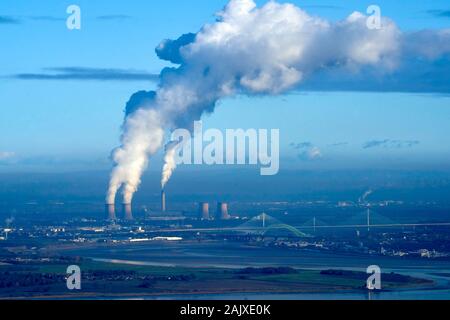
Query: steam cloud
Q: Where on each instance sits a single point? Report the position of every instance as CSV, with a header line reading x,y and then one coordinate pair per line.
x,y
365,195
169,163
251,51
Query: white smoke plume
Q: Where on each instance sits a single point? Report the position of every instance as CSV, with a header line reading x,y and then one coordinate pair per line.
x,y
251,51
143,136
365,195
169,162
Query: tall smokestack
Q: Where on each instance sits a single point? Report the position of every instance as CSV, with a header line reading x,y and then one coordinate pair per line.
x,y
128,213
163,201
222,211
110,211
204,210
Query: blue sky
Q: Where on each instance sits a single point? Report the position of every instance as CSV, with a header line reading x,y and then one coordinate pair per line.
x,y
62,123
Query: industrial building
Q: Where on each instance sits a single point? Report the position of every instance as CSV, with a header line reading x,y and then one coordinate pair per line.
x,y
127,211
222,211
110,212
204,211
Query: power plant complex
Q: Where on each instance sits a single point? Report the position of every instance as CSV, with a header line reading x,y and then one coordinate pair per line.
x,y
221,212
204,212
110,210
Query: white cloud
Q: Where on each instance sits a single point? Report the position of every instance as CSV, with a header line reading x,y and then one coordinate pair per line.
x,y
315,153
275,47
307,151
6,155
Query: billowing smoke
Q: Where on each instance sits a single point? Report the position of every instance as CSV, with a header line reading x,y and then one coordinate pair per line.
x,y
143,136
365,195
249,51
169,162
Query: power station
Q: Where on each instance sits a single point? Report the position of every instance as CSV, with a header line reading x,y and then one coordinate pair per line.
x,y
204,211
222,211
110,212
127,212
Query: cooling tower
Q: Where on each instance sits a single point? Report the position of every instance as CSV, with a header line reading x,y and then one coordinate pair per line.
x,y
163,201
128,213
110,211
204,210
222,211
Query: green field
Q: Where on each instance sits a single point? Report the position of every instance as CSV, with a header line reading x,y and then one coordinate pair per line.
x,y
103,279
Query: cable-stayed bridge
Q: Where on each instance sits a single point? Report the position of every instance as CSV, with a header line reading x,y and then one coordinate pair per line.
x,y
267,225
368,218
313,223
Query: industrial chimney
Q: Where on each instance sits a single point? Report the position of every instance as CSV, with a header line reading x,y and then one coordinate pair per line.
x,y
110,211
163,201
222,211
204,210
128,213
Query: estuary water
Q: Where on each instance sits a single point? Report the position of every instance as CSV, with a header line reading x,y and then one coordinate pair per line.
x,y
237,255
